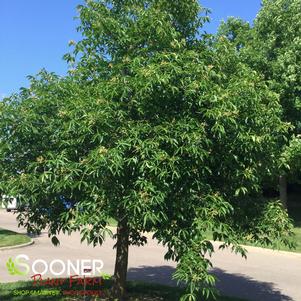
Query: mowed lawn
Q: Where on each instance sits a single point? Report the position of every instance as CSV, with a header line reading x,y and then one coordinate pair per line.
x,y
295,214
9,238
297,241
297,231
135,292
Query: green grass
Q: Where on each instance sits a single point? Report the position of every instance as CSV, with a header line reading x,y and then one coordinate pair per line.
x,y
297,240
281,247
295,214
112,222
10,238
135,292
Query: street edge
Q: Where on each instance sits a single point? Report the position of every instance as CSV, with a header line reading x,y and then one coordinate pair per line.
x,y
265,250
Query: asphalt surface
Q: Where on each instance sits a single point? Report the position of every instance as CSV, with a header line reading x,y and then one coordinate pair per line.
x,y
265,276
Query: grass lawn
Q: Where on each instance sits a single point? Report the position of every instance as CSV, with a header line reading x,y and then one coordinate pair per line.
x,y
295,215
10,238
112,222
136,292
297,231
297,240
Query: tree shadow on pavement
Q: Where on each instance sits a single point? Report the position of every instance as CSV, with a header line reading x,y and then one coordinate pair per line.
x,y
153,274
236,285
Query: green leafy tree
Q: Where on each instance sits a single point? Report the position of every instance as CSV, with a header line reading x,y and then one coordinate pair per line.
x,y
272,47
154,127
278,35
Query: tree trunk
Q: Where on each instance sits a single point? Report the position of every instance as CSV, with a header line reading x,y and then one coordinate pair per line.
x,y
283,190
121,263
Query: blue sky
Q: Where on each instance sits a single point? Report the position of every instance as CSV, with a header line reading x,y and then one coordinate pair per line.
x,y
34,34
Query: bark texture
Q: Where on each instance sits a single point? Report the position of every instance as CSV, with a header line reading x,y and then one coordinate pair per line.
x,y
121,263
283,190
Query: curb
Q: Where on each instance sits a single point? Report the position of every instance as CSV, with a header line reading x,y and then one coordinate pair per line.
x,y
18,246
248,248
278,252
266,250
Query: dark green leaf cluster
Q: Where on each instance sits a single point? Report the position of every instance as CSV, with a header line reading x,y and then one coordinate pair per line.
x,y
272,47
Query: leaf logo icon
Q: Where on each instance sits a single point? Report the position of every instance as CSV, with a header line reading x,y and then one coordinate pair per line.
x,y
12,269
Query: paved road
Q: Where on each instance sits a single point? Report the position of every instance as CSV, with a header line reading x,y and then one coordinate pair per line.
x,y
265,276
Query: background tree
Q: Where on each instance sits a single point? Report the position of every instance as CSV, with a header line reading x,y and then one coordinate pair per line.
x,y
153,127
273,48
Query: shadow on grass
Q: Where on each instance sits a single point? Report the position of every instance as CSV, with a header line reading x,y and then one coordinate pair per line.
x,y
5,232
136,291
11,238
147,284
228,284
151,274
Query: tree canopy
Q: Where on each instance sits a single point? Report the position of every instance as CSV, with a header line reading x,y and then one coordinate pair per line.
x,y
155,126
272,47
